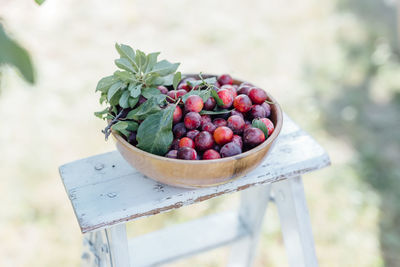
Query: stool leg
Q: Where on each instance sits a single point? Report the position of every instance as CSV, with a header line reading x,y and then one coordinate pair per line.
x,y
105,248
95,251
118,243
295,222
253,204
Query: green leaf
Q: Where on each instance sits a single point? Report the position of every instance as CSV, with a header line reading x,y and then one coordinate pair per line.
x,y
208,81
125,76
113,89
135,89
147,108
168,80
124,100
125,127
211,80
13,54
121,128
216,97
102,114
165,67
115,99
39,2
151,61
125,51
161,80
105,83
155,132
133,101
140,60
124,64
159,98
177,79
260,125
214,112
103,98
150,92
204,94
132,126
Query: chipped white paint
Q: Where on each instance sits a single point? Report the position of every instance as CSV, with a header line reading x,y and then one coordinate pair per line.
x,y
253,204
295,222
104,190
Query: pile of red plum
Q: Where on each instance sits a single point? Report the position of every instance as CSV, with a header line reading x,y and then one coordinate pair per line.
x,y
208,137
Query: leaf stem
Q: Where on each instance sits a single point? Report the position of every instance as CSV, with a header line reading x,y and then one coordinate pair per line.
x,y
107,130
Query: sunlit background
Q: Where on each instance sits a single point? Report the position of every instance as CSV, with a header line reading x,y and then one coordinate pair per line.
x,y
333,65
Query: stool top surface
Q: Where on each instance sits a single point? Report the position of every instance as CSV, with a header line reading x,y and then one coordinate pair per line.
x,y
105,190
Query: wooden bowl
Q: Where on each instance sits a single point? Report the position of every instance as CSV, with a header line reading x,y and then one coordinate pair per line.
x,y
200,173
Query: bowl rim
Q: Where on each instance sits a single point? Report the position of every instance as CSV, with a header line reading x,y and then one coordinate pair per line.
x,y
267,142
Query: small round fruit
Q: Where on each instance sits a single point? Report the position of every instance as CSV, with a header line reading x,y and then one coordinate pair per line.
x,y
223,135
237,139
181,93
204,119
242,103
230,149
244,89
267,108
185,84
247,124
230,88
177,114
163,89
187,153
235,112
175,144
217,147
210,104
142,99
192,134
225,79
172,96
218,122
185,87
194,103
203,141
226,97
209,127
257,95
257,111
211,154
186,141
132,138
270,126
179,130
253,137
236,123
172,154
192,120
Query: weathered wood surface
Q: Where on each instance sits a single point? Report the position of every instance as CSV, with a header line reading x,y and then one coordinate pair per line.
x,y
290,200
183,240
253,205
104,190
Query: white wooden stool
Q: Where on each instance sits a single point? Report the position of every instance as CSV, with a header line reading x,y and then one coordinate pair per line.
x,y
106,192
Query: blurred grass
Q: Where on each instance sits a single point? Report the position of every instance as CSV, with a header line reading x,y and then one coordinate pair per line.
x,y
293,48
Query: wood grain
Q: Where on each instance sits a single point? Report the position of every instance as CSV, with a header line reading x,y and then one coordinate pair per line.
x,y
105,190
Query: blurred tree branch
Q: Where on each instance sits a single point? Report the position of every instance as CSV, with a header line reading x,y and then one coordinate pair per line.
x,y
11,53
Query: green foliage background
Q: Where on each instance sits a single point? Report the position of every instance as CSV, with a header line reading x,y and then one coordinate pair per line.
x,y
333,66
